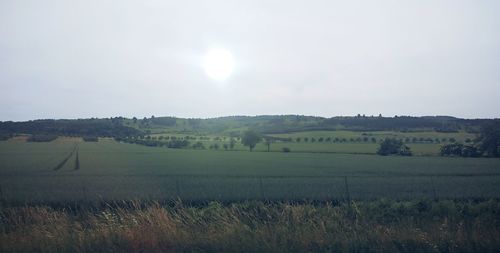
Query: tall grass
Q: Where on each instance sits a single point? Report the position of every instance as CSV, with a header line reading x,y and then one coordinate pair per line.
x,y
375,226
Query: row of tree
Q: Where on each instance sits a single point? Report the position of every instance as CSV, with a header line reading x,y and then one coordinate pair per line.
x,y
373,139
155,143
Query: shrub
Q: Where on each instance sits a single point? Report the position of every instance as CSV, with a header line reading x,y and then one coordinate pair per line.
x,y
198,145
393,147
178,144
286,149
458,149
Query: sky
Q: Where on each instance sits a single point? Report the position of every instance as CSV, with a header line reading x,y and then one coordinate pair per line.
x,y
101,58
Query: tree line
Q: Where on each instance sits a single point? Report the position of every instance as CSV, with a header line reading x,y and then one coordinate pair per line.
x,y
487,144
81,127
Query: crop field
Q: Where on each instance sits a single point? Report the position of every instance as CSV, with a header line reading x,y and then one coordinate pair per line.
x,y
340,142
70,169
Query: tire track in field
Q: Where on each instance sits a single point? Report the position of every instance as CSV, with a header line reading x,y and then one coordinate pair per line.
x,y
63,162
77,161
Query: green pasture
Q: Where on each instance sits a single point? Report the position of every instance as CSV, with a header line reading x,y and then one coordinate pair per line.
x,y
351,145
110,170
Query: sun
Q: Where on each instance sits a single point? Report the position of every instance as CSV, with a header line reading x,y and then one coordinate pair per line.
x,y
218,64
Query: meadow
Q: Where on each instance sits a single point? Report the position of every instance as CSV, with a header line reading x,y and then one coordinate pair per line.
x,y
69,169
422,143
254,226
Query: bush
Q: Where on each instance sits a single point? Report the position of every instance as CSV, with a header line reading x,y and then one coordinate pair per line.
x,y
393,147
457,149
198,145
286,149
178,144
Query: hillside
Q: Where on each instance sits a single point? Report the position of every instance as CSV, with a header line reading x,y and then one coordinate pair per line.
x,y
234,125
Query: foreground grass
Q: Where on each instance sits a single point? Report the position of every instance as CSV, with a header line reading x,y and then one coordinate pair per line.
x,y
375,226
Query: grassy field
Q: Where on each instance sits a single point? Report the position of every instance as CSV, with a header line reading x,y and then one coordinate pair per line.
x,y
107,170
373,226
340,142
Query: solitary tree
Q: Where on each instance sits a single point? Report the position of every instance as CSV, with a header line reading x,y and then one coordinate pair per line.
x,y
250,139
268,142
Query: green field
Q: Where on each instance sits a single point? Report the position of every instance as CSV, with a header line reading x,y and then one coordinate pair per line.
x,y
349,142
110,170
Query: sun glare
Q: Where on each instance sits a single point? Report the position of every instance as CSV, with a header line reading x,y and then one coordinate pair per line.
x,y
218,64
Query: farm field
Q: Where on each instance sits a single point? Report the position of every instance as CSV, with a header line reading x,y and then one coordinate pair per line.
x,y
342,142
69,169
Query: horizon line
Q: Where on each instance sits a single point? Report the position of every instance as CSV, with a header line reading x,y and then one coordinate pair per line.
x,y
257,115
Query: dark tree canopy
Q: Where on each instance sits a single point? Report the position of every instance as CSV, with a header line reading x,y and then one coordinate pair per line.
x,y
458,149
489,139
393,147
250,139
82,127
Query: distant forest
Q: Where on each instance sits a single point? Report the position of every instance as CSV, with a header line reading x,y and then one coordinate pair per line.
x,y
80,127
235,125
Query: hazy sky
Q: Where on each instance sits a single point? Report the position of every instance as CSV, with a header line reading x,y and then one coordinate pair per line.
x,y
78,59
